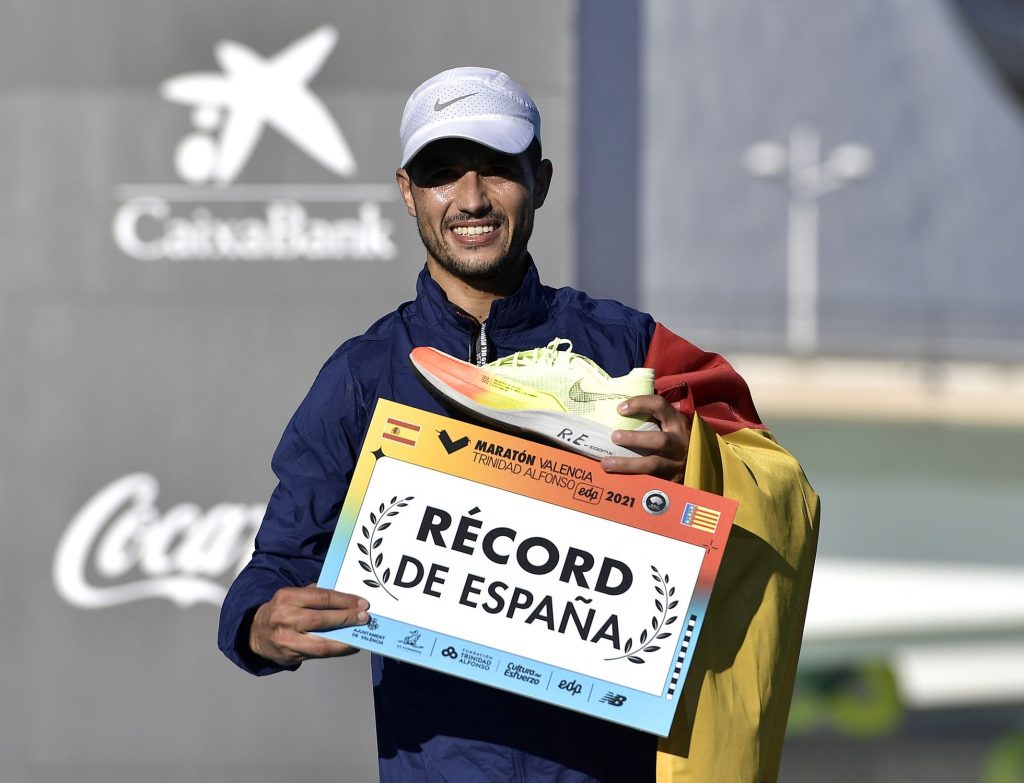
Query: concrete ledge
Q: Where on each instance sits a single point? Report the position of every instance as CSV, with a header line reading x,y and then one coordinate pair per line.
x,y
887,390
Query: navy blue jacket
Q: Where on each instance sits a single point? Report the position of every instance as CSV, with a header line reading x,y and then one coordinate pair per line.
x,y
432,727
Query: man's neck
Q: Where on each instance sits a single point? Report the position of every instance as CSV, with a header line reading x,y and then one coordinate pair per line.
x,y
475,296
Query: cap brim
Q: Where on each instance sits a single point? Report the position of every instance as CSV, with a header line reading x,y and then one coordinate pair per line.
x,y
510,135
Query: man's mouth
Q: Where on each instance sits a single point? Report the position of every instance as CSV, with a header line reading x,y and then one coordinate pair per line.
x,y
472,231
480,232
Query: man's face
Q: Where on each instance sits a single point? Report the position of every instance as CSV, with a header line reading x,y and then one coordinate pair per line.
x,y
473,205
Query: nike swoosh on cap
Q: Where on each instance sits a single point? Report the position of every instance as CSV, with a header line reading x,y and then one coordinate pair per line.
x,y
438,106
576,394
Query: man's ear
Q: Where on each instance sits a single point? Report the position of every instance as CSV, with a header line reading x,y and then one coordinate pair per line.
x,y
541,182
405,187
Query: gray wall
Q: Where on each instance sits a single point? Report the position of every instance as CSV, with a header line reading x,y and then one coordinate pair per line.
x,y
922,257
183,373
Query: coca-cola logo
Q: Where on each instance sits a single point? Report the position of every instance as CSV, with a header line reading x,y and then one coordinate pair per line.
x,y
119,548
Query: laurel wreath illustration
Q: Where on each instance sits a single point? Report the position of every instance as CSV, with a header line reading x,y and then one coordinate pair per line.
x,y
659,621
375,557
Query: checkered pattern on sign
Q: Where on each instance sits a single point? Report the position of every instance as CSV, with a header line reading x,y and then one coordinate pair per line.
x,y
687,636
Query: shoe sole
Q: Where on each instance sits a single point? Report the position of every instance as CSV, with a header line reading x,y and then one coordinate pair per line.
x,y
574,433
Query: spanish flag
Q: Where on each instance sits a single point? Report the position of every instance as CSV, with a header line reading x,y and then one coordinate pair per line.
x,y
401,432
731,720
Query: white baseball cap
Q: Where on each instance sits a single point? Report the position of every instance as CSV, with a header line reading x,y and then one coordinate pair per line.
x,y
479,104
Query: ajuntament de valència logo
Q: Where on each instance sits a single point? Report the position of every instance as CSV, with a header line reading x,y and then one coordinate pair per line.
x,y
208,216
120,548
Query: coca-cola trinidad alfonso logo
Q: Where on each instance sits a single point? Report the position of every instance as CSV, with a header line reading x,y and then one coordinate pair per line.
x,y
120,548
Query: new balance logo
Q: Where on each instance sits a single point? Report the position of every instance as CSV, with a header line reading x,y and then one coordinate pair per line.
x,y
231,109
613,699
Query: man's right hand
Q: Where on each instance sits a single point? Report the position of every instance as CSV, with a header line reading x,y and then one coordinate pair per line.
x,y
280,630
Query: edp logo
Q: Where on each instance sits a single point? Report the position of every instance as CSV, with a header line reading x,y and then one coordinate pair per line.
x,y
572,686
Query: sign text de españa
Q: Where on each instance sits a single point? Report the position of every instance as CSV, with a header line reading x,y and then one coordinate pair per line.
x,y
536,555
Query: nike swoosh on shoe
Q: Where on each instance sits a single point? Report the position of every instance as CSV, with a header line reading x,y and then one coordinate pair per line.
x,y
576,394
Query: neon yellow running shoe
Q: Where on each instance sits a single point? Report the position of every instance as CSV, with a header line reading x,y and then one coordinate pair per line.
x,y
559,395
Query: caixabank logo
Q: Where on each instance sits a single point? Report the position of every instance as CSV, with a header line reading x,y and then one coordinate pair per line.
x,y
209,216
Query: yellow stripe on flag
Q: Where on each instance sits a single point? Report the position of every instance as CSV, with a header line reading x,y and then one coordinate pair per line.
x,y
735,702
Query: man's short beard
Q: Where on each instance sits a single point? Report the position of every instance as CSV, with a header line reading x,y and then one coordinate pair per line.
x,y
472,271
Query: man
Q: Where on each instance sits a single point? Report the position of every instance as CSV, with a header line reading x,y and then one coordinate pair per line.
x,y
472,175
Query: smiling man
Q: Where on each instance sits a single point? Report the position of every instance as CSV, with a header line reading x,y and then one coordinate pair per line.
x,y
472,175
474,207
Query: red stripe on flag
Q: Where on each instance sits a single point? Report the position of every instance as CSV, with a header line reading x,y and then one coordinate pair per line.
x,y
406,441
693,380
405,425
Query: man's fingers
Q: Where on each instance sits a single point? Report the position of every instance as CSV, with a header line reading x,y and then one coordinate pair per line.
x,y
652,404
282,628
646,465
328,619
303,646
313,597
289,647
646,442
670,470
313,608
663,451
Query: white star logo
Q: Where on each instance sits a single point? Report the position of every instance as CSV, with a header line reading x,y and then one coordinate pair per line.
x,y
251,93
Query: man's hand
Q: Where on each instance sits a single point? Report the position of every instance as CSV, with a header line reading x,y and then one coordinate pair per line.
x,y
666,450
280,628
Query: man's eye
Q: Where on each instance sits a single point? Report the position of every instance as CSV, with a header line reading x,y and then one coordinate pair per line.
x,y
504,172
442,175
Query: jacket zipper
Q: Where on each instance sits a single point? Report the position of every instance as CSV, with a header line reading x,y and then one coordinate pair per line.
x,y
479,347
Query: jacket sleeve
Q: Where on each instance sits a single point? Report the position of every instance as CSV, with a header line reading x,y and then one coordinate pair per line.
x,y
731,720
313,463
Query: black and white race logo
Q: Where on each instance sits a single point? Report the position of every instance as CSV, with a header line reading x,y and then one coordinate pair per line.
x,y
655,502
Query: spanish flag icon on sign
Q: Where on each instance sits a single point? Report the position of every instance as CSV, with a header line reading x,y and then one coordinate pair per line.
x,y
401,431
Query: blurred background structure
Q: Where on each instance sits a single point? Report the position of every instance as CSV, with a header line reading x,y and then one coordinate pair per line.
x,y
825,194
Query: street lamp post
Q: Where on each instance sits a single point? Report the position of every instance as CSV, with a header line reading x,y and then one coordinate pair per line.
x,y
808,178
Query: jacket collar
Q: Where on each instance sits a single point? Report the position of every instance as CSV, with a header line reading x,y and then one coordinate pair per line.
x,y
527,306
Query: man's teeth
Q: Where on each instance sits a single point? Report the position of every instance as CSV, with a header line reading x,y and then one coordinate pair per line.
x,y
469,231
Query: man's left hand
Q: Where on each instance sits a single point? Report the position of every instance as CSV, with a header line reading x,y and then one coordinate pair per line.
x,y
665,449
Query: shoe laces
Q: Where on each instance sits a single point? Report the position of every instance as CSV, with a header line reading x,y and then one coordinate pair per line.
x,y
552,354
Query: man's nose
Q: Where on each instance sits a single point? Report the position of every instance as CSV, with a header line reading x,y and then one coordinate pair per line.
x,y
471,194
